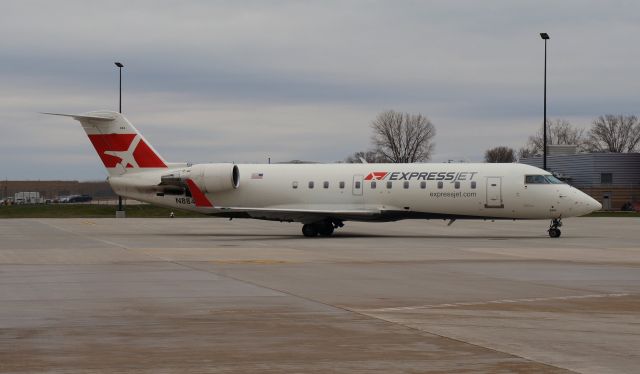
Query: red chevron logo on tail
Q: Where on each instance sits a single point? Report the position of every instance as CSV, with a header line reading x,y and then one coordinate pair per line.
x,y
130,150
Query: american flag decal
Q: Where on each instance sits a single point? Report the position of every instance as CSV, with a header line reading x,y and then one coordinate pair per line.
x,y
256,176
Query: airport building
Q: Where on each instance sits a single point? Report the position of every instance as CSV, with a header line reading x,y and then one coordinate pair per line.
x,y
611,178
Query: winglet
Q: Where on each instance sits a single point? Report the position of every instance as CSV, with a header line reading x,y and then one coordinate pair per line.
x,y
198,196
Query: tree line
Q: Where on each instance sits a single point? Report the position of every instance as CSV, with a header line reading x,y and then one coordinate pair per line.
x,y
608,133
405,138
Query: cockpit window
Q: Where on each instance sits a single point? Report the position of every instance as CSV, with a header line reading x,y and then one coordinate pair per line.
x,y
541,179
553,180
535,179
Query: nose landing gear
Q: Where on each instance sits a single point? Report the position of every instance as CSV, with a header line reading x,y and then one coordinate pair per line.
x,y
554,231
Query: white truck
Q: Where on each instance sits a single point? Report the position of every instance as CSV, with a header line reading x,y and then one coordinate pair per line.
x,y
27,198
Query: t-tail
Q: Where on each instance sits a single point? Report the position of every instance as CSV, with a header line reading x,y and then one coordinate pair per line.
x,y
120,146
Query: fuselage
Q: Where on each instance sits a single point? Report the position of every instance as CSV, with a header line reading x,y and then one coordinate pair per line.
x,y
420,190
323,196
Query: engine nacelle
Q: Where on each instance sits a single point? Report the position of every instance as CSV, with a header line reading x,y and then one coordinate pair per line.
x,y
214,177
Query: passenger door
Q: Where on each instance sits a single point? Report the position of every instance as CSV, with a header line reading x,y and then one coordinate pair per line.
x,y
494,193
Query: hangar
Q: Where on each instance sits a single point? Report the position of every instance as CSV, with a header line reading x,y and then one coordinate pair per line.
x,y
611,178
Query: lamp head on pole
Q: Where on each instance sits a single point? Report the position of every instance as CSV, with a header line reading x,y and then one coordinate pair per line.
x,y
119,64
543,35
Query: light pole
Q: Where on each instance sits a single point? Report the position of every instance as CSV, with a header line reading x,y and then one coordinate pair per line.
x,y
120,66
120,212
545,37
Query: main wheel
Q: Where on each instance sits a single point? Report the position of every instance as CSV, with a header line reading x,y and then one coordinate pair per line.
x,y
309,230
325,228
554,233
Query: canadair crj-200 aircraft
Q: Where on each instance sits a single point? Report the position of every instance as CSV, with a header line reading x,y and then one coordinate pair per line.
x,y
323,196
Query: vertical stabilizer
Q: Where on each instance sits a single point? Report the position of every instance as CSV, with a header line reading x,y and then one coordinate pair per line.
x,y
120,146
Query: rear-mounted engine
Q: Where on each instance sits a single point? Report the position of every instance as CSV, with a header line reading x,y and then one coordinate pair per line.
x,y
208,177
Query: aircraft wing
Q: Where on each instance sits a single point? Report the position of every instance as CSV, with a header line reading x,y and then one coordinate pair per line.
x,y
282,213
302,215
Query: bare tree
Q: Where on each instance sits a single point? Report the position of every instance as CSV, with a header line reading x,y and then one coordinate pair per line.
x,y
500,154
559,131
526,152
370,157
614,133
403,137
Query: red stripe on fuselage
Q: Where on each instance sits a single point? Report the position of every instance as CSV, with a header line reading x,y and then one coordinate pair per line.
x,y
199,197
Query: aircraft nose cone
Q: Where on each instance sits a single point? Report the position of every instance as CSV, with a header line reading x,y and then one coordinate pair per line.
x,y
594,205
584,204
590,203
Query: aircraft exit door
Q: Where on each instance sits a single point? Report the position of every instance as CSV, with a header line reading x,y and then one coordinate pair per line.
x,y
494,193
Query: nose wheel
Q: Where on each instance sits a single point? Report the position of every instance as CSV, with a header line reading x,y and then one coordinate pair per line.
x,y
554,230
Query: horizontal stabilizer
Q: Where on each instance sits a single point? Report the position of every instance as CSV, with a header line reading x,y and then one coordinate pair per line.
x,y
79,117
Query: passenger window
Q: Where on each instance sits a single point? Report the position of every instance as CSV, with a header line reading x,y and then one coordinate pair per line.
x,y
405,184
389,184
440,185
325,184
423,185
473,185
310,184
373,185
357,185
341,184
456,185
294,185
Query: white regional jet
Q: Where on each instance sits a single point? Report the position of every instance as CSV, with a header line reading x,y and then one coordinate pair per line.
x,y
323,196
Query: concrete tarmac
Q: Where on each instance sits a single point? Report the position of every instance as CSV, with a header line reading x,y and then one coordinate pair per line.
x,y
219,296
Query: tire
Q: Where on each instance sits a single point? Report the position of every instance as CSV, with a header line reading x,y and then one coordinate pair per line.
x,y
325,228
554,233
309,230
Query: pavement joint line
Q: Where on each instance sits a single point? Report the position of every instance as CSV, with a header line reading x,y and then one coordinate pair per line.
x,y
565,288
362,313
366,315
114,244
462,340
501,301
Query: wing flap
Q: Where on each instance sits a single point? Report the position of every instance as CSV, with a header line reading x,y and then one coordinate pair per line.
x,y
310,211
302,215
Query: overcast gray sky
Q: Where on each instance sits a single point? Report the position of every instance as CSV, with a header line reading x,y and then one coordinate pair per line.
x,y
241,80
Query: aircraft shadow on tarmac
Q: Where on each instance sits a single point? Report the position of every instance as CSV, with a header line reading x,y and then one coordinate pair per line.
x,y
343,235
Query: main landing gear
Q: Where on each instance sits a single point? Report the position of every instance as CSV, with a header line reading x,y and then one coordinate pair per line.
x,y
554,231
322,228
